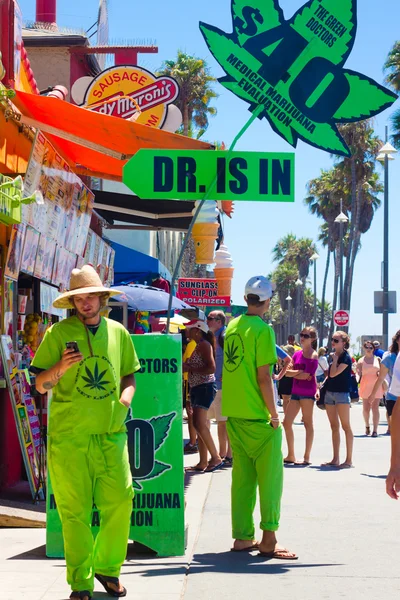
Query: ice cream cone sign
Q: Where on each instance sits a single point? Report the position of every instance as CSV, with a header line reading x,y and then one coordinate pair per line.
x,y
223,271
205,232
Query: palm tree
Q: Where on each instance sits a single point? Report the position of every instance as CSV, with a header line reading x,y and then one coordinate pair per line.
x,y
392,68
196,92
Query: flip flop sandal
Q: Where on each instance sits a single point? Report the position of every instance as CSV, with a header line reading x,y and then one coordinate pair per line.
x,y
105,581
194,469
212,469
281,554
289,462
374,434
248,549
81,595
304,463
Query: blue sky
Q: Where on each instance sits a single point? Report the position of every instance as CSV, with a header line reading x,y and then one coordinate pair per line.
x,y
256,227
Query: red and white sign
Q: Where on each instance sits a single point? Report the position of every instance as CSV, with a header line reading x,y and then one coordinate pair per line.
x,y
202,292
341,318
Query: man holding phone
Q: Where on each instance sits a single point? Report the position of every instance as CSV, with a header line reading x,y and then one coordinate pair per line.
x,y
89,362
253,424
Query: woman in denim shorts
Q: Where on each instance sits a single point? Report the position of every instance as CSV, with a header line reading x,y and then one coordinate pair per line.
x,y
337,399
201,369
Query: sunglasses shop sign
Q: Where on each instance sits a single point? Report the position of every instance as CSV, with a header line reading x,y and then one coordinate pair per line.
x,y
201,292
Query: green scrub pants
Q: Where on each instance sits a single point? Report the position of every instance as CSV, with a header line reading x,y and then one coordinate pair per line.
x,y
83,470
257,460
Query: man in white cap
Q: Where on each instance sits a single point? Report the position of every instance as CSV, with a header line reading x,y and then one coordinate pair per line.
x,y
253,423
89,362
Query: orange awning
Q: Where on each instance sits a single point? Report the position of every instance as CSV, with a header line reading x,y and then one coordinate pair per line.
x,y
94,144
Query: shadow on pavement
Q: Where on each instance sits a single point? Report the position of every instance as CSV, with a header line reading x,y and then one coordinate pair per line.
x,y
38,553
374,476
230,562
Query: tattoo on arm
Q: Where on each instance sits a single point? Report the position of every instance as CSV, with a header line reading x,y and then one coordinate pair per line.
x,y
48,385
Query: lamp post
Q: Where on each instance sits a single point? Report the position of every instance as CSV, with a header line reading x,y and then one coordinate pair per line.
x,y
385,154
289,299
314,259
281,341
341,219
298,283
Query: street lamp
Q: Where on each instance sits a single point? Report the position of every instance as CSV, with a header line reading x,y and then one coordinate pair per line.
x,y
289,299
385,154
298,283
314,259
341,219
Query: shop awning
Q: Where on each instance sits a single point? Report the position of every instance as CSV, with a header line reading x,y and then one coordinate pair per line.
x,y
131,266
94,144
157,214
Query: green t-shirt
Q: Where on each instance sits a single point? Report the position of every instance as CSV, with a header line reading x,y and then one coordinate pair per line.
x,y
249,344
86,399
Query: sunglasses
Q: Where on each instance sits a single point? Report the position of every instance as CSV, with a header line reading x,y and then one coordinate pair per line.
x,y
306,336
213,319
335,341
368,347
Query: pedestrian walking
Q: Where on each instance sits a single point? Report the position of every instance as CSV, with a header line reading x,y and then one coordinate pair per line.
x,y
305,363
368,368
385,377
89,363
377,349
337,399
393,478
253,424
216,322
201,369
323,366
191,447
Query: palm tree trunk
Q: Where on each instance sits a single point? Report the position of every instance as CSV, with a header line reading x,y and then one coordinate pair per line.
x,y
322,316
186,123
355,252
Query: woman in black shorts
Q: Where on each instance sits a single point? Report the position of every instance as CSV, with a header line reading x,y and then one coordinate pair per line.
x,y
286,383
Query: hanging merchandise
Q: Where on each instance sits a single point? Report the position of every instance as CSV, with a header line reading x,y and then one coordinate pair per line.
x,y
205,231
223,271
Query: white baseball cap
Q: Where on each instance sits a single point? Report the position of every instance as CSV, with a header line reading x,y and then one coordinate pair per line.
x,y
198,325
260,286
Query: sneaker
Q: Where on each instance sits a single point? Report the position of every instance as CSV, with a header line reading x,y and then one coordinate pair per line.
x,y
190,448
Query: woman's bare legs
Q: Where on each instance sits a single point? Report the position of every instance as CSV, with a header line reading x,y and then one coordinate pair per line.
x,y
331,411
344,416
307,409
285,402
291,413
204,434
375,414
366,412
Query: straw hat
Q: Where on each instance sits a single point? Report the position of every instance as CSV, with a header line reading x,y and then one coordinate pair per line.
x,y
83,281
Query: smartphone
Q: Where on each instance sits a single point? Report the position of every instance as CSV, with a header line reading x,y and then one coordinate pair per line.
x,y
72,346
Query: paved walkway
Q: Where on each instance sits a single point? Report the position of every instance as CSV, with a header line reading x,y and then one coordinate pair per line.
x,y
344,528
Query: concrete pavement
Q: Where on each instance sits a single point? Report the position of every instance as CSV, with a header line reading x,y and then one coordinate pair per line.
x,y
341,523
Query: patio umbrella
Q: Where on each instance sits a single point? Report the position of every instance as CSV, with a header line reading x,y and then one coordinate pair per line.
x,y
147,298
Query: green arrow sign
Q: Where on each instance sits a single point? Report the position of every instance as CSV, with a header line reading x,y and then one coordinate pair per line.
x,y
180,175
294,68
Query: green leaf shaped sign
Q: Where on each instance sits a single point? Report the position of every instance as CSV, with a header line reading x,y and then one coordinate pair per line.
x,y
294,69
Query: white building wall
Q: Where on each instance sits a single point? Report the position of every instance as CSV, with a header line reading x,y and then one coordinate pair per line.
x,y
51,66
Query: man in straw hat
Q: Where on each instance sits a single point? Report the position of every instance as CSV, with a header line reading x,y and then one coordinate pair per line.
x,y
93,386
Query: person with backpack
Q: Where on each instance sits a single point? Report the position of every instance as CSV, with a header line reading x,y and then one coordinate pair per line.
x,y
216,322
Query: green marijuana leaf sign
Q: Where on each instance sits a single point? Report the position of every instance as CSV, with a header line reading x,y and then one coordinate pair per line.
x,y
95,380
231,353
142,448
294,69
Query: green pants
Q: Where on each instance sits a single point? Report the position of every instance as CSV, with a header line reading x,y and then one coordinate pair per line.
x,y
257,460
83,470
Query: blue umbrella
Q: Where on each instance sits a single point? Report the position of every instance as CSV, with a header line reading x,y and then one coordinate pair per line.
x,y
147,298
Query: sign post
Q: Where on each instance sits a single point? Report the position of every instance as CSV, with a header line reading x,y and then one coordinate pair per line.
x,y
341,318
155,442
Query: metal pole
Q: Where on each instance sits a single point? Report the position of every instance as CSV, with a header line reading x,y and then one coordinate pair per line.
x,y
315,293
289,319
341,267
175,274
385,314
